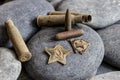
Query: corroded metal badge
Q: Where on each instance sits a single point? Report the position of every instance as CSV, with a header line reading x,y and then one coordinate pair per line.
x,y
57,54
80,46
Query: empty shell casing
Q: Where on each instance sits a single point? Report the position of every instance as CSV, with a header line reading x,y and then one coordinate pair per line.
x,y
63,13
87,17
69,34
51,20
18,43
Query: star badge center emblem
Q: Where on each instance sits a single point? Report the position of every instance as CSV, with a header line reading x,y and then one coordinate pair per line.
x,y
57,54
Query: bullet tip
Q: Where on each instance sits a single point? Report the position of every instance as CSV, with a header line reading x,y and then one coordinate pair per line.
x,y
68,20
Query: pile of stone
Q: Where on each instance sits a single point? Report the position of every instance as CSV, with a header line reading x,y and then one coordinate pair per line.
x,y
101,60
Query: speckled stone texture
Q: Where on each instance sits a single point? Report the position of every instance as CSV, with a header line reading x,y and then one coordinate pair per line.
x,y
103,12
108,76
24,76
105,68
55,3
10,67
23,13
78,67
111,39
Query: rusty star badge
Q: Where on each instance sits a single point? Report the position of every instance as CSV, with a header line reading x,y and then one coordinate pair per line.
x,y
80,46
57,54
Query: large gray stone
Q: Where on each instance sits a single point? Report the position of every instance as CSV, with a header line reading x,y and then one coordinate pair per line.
x,y
108,76
118,22
104,13
105,68
24,76
55,3
78,67
111,39
23,13
10,67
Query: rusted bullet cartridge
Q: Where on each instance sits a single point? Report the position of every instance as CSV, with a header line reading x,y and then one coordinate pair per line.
x,y
63,13
68,20
18,43
51,20
69,34
87,17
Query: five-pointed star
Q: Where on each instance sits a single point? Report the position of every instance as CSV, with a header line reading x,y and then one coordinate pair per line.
x,y
57,54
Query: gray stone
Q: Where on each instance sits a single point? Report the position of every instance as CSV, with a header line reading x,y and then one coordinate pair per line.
x,y
24,76
55,3
78,67
10,67
118,22
111,39
104,68
108,76
23,13
104,13
5,1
